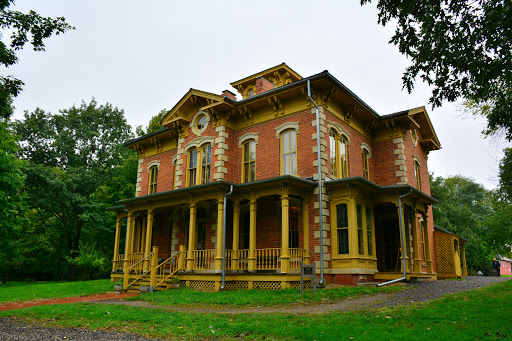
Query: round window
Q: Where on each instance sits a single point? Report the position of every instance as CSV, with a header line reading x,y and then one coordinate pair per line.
x,y
200,122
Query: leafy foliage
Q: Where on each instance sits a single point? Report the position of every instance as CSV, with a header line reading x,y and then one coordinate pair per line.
x,y
154,124
70,159
462,48
23,28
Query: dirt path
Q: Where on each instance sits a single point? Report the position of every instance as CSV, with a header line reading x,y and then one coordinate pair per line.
x,y
92,298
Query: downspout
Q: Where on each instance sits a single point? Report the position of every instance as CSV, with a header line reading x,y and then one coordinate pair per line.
x,y
224,239
320,185
402,237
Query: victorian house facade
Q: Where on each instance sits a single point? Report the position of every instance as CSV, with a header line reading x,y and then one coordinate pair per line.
x,y
228,193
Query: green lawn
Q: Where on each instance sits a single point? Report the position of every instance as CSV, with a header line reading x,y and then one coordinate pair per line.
x,y
17,291
183,296
475,315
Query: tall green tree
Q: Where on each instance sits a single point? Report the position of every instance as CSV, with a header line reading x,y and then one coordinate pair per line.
x,y
23,28
154,124
68,158
462,48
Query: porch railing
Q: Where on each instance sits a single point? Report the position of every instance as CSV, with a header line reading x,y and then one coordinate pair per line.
x,y
138,268
204,259
241,259
117,263
297,256
268,259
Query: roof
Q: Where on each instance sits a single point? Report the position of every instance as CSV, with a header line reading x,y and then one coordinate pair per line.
x,y
448,232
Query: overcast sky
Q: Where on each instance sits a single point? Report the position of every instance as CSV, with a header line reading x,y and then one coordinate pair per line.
x,y
143,56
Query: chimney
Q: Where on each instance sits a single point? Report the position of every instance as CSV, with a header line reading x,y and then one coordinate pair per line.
x,y
263,85
227,93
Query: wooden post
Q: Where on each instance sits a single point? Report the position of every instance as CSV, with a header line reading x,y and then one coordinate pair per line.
x,y
464,266
191,237
149,231
126,261
426,236
236,235
251,259
220,234
154,264
285,233
182,257
115,265
415,242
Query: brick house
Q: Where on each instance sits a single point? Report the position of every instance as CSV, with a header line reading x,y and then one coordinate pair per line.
x,y
239,178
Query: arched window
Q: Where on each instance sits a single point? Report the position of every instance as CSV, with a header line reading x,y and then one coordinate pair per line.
x,y
366,163
417,175
153,179
338,154
249,161
199,165
289,152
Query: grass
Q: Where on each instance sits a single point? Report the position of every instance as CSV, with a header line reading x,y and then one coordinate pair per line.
x,y
474,315
18,291
253,298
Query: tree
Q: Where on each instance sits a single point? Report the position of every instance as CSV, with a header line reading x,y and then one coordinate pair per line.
x,y
68,158
22,27
505,174
154,124
462,48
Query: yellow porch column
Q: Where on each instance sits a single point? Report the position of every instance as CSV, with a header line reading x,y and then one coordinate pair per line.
x,y
115,264
426,236
191,236
236,234
149,231
415,242
126,261
403,253
353,240
251,259
220,234
305,228
464,266
285,233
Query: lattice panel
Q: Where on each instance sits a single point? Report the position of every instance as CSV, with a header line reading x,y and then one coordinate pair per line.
x,y
203,285
236,285
444,254
267,285
296,285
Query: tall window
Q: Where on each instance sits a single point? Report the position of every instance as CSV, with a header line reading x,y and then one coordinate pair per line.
x,y
289,152
369,230
417,174
249,161
192,167
366,164
360,238
153,179
339,158
206,163
199,165
342,228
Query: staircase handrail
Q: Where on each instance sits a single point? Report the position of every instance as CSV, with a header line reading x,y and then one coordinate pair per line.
x,y
173,261
143,271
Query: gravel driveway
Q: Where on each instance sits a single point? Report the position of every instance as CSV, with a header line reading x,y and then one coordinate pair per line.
x,y
11,330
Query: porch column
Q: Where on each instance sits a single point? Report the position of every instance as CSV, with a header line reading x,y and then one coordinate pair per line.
x,y
251,259
415,241
403,253
285,233
126,261
464,266
191,236
236,235
115,264
220,234
305,228
426,236
149,231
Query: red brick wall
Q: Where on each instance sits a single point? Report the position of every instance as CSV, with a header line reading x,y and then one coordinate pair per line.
x,y
165,181
383,163
410,151
263,85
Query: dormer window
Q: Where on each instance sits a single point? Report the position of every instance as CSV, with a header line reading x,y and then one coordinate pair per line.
x,y
251,93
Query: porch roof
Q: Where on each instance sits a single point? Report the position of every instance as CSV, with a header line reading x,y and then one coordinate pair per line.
x,y
359,181
438,229
213,188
